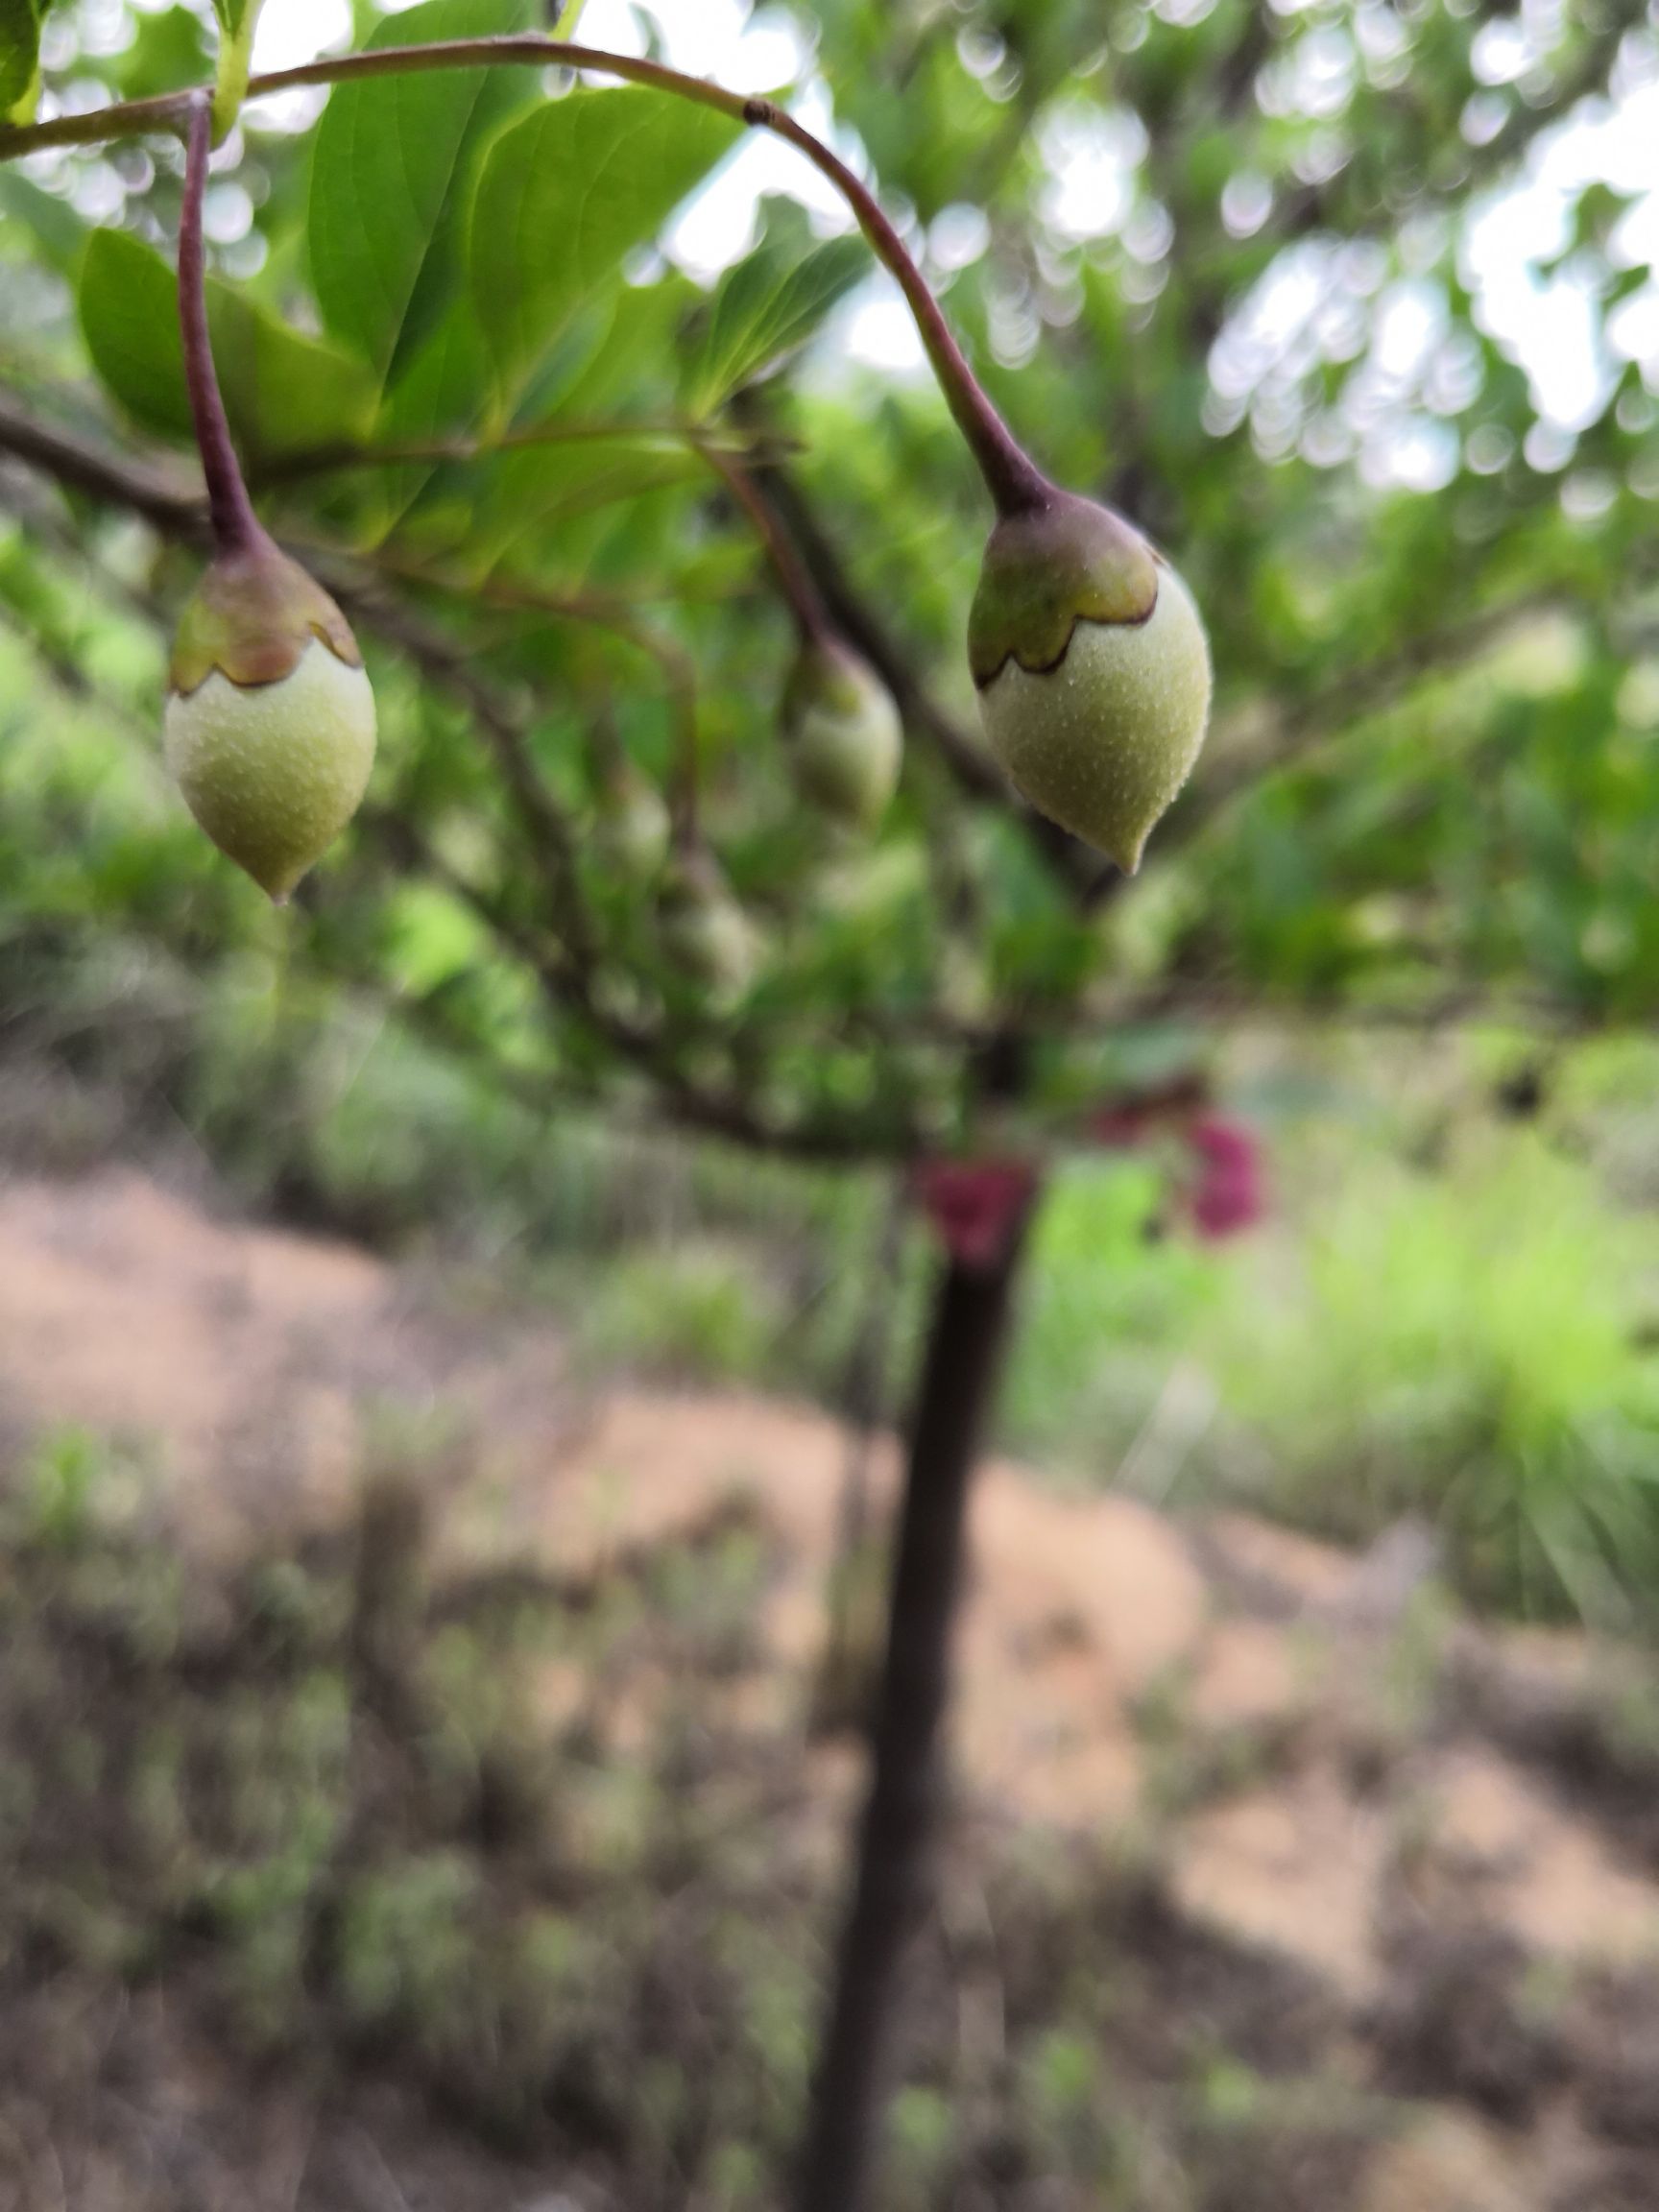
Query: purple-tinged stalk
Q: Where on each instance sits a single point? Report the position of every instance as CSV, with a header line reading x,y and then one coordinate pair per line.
x,y
270,723
1087,651
1096,705
840,723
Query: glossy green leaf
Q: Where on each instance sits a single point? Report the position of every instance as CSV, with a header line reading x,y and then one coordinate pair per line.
x,y
765,307
284,392
391,176
167,50
436,396
566,195
57,229
19,58
548,484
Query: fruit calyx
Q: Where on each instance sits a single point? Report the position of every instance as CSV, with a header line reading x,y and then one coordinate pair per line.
x,y
251,618
1050,563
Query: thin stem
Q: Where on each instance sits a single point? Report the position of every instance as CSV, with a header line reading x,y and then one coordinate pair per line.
x,y
1012,479
235,525
168,111
328,460
796,583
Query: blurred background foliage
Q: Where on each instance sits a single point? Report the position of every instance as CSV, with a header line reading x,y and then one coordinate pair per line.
x,y
1352,307
1229,266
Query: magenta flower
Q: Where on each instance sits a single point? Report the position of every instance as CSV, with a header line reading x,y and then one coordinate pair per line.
x,y
1229,1193
974,1203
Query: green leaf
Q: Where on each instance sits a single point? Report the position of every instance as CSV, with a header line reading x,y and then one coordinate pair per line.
x,y
19,60
608,358
565,194
765,307
129,320
283,393
391,175
544,486
59,231
437,393
167,50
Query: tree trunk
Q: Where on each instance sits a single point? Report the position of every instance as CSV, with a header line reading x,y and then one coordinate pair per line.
x,y
846,1672
892,1878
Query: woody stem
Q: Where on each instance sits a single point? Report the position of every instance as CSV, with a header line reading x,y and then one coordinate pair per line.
x,y
795,582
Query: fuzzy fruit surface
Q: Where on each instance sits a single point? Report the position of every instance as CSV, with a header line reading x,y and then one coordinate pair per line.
x,y
845,736
1102,741
274,771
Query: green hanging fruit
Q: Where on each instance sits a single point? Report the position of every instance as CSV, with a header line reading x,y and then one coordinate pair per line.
x,y
703,932
1092,670
270,724
631,826
844,733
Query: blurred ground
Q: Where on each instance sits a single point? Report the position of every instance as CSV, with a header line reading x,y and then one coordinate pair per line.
x,y
1447,1836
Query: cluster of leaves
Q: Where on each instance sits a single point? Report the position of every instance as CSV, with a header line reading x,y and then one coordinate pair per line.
x,y
467,379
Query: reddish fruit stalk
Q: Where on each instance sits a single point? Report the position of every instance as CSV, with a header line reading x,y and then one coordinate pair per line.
x,y
235,525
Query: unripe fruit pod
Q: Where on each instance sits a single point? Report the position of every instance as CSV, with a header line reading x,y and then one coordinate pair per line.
x,y
844,733
964,986
270,723
703,931
631,827
1093,669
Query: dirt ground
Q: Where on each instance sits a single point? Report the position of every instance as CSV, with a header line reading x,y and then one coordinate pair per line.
x,y
1431,1821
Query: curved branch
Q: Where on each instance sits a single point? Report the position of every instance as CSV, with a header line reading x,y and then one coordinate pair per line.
x,y
1013,480
172,509
568,979
794,579
236,526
